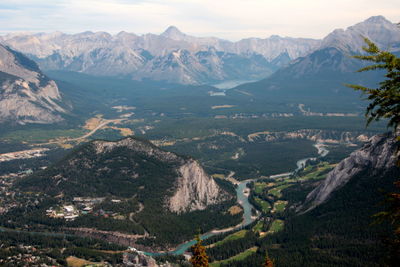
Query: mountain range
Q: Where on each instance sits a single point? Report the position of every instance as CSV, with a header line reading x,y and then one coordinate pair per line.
x,y
176,57
171,56
296,67
324,71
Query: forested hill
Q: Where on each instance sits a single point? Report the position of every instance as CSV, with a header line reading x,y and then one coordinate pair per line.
x,y
148,187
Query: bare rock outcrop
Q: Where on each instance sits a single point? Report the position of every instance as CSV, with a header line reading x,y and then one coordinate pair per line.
x,y
26,95
195,190
316,135
141,260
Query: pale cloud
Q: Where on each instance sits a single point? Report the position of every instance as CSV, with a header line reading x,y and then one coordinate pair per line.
x,y
230,19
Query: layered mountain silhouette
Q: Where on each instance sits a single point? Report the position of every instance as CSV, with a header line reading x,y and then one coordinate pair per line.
x,y
171,56
324,71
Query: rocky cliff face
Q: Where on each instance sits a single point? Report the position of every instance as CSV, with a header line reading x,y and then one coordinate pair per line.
x,y
323,136
195,190
377,28
377,155
26,94
141,260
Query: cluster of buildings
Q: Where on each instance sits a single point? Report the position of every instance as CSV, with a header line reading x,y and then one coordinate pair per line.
x,y
67,212
81,206
254,116
309,113
7,196
25,154
7,199
28,256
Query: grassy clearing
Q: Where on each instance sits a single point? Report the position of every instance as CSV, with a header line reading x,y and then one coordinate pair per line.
x,y
77,262
276,191
234,236
316,172
258,227
122,131
280,205
237,257
259,187
276,226
266,207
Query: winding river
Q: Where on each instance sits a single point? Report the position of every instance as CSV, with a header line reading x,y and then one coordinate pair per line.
x,y
243,200
322,152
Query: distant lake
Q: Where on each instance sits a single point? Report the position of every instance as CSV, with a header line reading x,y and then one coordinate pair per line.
x,y
231,84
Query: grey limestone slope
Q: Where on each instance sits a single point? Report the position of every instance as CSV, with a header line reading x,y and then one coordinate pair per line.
x,y
377,156
26,94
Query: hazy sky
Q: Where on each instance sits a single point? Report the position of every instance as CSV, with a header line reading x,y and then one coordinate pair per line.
x,y
229,19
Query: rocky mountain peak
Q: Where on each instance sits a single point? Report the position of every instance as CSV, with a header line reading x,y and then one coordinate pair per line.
x,y
333,57
136,145
174,33
377,19
378,29
275,36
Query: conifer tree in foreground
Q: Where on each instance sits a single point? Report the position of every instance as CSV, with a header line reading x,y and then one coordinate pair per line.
x,y
385,104
384,100
199,258
268,262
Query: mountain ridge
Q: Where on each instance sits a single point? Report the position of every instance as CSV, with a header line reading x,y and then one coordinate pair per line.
x,y
377,155
324,71
160,197
27,95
